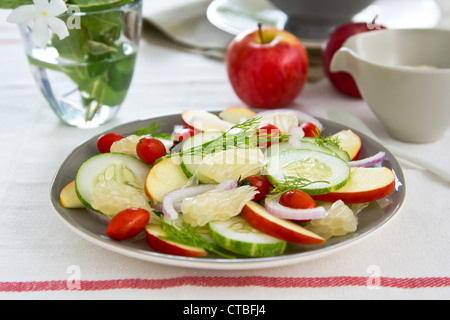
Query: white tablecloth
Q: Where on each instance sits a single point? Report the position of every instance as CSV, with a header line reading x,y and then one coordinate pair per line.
x,y
39,254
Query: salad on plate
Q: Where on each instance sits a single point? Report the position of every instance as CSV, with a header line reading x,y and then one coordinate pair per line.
x,y
237,184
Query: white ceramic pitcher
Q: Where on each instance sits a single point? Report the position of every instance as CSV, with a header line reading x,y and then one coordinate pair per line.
x,y
404,76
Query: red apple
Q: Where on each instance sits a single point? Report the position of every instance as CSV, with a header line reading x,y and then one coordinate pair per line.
x,y
349,142
165,176
156,241
258,217
343,81
237,115
267,67
365,185
68,197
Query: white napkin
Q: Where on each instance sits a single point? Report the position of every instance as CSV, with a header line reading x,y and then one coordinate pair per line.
x,y
185,22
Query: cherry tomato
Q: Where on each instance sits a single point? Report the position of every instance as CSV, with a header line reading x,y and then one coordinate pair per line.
x,y
298,200
150,149
310,130
183,135
267,132
262,184
105,142
128,224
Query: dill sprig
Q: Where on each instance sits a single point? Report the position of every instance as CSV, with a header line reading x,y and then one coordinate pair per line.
x,y
248,125
321,140
242,136
154,129
185,234
291,183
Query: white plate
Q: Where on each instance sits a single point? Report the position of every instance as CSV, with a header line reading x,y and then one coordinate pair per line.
x,y
370,220
235,16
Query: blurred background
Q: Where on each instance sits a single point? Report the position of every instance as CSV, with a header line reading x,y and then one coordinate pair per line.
x,y
207,27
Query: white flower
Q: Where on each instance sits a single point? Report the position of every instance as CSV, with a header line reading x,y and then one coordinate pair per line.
x,y
44,16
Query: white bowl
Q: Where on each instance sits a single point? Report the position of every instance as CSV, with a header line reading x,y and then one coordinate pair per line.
x,y
315,18
404,76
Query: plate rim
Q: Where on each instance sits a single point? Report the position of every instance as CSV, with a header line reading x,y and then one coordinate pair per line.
x,y
213,9
214,263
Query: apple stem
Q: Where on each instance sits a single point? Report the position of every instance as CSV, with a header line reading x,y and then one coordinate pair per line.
x,y
374,21
261,33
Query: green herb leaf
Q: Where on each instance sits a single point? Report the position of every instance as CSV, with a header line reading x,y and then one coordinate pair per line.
x,y
241,136
154,129
12,4
97,5
321,140
185,234
291,184
85,5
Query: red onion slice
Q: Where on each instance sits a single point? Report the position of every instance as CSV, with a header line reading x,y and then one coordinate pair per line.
x,y
280,211
226,185
172,201
103,219
368,162
177,148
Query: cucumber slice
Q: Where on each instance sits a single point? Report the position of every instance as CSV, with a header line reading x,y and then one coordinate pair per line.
x,y
326,172
277,148
190,162
123,168
305,143
309,144
328,147
239,237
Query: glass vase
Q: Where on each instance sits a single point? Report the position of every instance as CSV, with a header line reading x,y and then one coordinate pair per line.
x,y
85,77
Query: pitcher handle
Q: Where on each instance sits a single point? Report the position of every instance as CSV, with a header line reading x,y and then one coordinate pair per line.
x,y
345,60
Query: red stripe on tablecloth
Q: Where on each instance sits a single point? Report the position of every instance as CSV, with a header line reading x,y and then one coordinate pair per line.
x,y
223,282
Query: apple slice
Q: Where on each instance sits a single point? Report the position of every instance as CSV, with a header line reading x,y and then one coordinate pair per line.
x,y
164,177
155,239
201,121
349,142
365,185
68,197
259,218
237,115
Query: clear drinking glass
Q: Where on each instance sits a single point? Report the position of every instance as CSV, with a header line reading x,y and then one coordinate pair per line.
x,y
86,76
